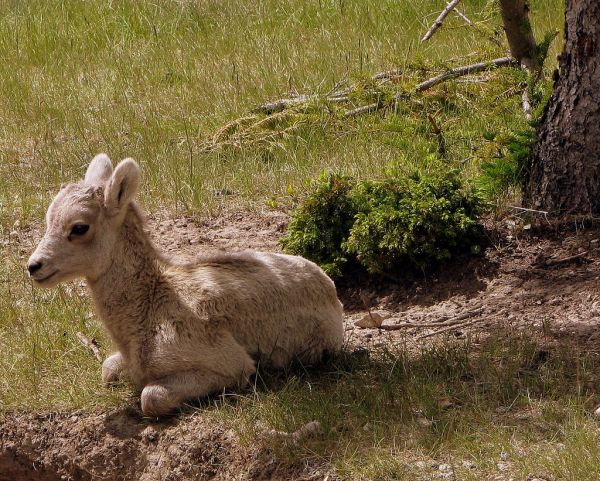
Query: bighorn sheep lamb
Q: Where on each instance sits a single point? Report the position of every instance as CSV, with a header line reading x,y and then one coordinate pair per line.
x,y
183,329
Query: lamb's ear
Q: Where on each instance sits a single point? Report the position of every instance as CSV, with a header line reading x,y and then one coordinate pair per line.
x,y
99,170
123,185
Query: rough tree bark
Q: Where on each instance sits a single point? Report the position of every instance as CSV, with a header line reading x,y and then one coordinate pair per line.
x,y
564,171
515,15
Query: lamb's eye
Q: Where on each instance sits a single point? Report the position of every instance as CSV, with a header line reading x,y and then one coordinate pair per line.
x,y
79,229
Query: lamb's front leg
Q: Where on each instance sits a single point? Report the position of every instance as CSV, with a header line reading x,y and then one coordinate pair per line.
x,y
112,368
165,395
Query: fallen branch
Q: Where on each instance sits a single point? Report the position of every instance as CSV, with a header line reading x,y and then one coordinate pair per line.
x,y
282,104
525,209
437,131
309,429
464,17
459,326
564,260
465,70
91,344
526,104
450,322
364,109
440,20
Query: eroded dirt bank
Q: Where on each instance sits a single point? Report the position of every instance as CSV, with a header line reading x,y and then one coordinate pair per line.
x,y
121,446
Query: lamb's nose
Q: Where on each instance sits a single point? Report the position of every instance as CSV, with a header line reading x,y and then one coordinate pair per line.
x,y
33,267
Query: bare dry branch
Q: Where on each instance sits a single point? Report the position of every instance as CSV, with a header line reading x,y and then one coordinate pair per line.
x,y
440,20
364,109
450,322
525,209
565,260
91,344
464,17
282,104
309,429
465,70
525,102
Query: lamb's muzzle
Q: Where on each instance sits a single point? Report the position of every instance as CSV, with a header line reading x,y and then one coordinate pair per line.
x,y
183,330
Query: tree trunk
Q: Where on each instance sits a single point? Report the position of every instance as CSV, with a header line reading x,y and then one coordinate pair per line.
x,y
564,171
515,16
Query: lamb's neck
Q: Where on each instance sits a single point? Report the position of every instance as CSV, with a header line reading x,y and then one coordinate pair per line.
x,y
127,296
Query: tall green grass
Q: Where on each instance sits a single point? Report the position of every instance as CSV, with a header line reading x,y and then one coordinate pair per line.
x,y
154,80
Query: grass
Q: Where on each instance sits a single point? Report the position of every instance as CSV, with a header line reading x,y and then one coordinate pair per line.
x,y
391,415
156,81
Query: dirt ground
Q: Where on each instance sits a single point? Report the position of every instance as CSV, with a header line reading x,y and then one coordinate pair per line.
x,y
528,277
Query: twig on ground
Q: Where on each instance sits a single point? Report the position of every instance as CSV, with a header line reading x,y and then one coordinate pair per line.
x,y
465,70
364,109
440,20
91,344
491,38
388,74
564,260
533,211
516,207
437,131
282,104
526,104
464,17
450,322
309,429
459,326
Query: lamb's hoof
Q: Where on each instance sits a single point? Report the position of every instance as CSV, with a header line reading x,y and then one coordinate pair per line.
x,y
109,376
157,401
111,370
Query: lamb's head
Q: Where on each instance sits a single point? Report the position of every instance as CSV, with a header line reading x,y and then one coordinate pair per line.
x,y
83,223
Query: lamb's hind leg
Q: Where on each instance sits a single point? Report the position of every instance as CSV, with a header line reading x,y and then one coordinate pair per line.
x,y
165,395
112,368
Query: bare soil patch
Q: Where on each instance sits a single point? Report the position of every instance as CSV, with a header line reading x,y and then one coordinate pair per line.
x,y
544,279
121,445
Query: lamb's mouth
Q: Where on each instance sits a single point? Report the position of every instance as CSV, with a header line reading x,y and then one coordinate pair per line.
x,y
44,279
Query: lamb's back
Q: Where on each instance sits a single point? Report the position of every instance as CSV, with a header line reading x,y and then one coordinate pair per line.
x,y
268,301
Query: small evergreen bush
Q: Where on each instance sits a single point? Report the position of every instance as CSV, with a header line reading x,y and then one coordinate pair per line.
x,y
321,224
503,163
399,222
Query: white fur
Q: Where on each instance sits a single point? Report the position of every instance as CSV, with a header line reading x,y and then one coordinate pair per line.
x,y
183,330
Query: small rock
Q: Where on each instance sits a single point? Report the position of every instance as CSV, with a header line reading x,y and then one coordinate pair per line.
x,y
504,456
149,434
469,465
503,466
371,320
423,421
597,412
445,467
420,464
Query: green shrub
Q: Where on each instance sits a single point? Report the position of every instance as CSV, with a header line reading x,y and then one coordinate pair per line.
x,y
416,221
399,222
503,162
322,223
